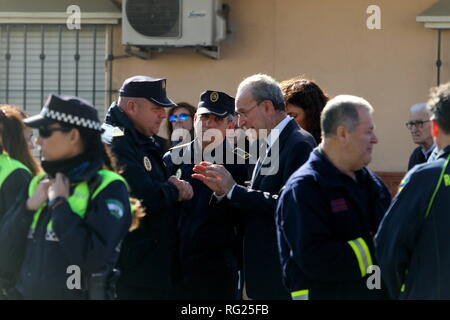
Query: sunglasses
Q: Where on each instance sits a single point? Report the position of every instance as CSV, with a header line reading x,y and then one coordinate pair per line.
x,y
181,116
46,132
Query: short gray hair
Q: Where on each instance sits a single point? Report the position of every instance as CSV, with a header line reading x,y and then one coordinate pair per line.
x,y
342,110
264,87
419,107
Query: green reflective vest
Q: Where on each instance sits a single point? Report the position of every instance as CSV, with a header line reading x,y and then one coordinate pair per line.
x,y
8,165
79,200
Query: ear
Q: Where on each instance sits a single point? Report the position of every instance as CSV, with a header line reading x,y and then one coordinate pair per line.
x,y
434,128
268,107
74,135
342,133
131,107
231,125
195,117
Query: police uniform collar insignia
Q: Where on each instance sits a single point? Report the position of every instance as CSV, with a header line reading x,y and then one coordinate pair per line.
x,y
147,164
214,96
241,153
179,173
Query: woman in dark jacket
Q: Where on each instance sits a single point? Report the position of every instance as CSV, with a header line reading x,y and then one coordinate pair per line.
x,y
17,167
64,235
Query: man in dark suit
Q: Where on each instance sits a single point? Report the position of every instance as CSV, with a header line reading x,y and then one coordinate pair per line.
x,y
260,106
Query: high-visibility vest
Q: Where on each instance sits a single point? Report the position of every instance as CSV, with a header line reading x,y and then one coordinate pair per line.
x,y
8,165
78,201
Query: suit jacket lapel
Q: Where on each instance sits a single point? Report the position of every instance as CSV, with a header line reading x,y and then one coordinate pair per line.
x,y
284,135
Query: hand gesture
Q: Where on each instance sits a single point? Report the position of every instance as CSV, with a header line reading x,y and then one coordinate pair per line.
x,y
60,187
215,176
39,196
185,191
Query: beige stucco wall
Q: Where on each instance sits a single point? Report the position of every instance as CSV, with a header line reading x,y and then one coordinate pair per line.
x,y
326,40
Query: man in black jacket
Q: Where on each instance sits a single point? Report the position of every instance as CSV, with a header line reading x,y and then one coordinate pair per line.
x,y
147,256
330,209
260,106
413,246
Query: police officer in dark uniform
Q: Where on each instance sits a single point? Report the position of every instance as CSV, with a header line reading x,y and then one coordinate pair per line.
x,y
413,244
73,217
209,236
146,260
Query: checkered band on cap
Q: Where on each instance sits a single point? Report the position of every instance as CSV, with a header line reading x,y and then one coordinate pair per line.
x,y
72,119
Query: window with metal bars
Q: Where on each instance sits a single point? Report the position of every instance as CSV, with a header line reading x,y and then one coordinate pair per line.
x,y
36,60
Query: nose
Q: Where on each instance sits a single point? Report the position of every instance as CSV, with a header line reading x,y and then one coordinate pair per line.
x,y
241,121
38,140
374,139
205,124
163,113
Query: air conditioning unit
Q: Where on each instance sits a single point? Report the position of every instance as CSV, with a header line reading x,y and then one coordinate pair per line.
x,y
175,23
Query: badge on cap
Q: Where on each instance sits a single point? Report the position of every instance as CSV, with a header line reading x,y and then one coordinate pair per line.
x,y
163,84
147,164
214,96
178,174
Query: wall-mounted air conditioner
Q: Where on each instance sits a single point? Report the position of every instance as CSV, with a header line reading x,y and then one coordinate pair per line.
x,y
175,23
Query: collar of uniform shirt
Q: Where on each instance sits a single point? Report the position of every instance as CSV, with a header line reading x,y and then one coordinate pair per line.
x,y
273,136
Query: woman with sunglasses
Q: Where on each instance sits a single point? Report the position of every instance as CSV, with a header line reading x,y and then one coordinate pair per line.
x,y
180,117
73,217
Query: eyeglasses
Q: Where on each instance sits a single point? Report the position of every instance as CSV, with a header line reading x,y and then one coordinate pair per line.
x,y
46,132
418,124
181,116
246,112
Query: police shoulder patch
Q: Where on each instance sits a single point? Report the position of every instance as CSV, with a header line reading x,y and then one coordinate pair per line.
x,y
115,208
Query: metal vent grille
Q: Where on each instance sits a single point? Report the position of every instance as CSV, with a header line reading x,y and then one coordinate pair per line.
x,y
155,18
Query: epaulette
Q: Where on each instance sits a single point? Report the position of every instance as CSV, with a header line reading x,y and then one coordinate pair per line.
x,y
111,132
117,132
